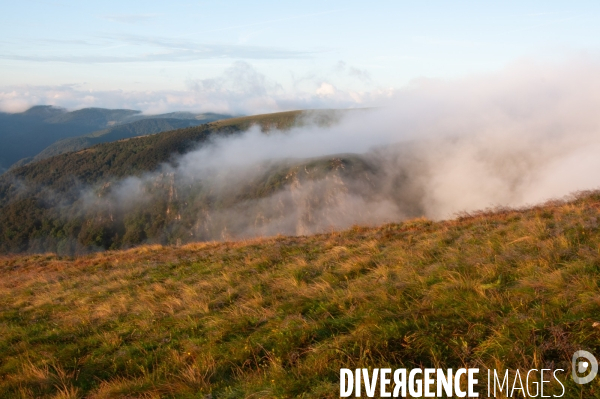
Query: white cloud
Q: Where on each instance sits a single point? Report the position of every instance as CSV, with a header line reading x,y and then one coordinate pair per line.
x,y
241,89
326,90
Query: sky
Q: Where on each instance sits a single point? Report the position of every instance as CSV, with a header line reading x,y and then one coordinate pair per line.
x,y
264,56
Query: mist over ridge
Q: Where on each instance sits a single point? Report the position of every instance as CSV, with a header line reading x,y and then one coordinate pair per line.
x,y
441,147
515,138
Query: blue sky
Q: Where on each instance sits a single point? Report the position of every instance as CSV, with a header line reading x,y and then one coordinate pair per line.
x,y
274,55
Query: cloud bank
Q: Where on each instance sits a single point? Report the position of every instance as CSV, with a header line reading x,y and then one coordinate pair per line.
x,y
241,89
516,138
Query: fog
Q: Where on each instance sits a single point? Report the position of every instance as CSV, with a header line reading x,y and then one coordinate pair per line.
x,y
515,138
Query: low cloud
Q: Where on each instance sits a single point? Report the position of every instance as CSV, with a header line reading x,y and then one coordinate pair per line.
x,y
515,138
241,89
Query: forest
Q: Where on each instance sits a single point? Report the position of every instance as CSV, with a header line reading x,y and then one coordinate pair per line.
x,y
45,206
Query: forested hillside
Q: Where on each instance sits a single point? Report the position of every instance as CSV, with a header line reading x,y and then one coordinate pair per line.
x,y
120,132
67,203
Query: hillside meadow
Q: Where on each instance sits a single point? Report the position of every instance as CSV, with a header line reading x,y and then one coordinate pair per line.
x,y
278,317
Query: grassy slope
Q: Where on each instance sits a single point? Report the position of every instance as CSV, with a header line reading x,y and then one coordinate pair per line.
x,y
278,317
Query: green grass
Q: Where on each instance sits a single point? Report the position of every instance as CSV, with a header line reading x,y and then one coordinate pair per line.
x,y
278,317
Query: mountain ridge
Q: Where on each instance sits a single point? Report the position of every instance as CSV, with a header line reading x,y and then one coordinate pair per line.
x,y
24,135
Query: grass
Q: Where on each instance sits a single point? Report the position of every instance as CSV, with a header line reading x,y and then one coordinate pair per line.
x,y
284,120
278,317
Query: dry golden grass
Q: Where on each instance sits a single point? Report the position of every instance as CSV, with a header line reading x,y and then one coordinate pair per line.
x,y
278,317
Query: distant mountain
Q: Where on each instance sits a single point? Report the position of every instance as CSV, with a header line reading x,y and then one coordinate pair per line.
x,y
95,117
41,112
24,135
